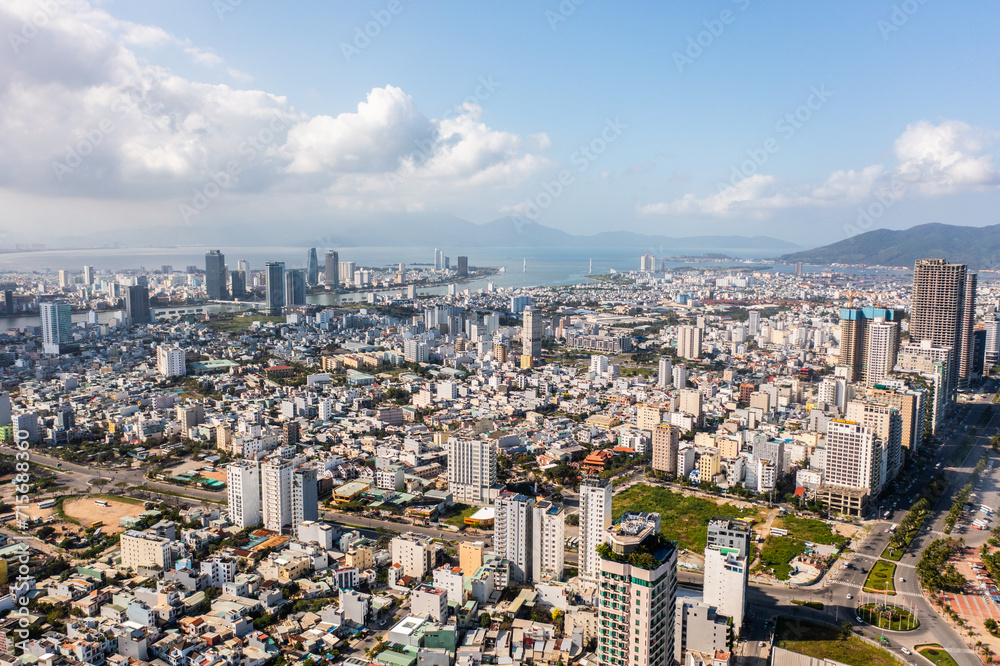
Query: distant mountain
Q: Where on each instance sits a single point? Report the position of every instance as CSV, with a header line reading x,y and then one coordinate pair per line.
x,y
420,230
977,246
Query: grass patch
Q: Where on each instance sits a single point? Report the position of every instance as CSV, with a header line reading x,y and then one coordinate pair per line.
x,y
827,642
778,552
120,498
684,519
962,452
810,604
810,529
892,617
880,578
937,654
233,323
458,520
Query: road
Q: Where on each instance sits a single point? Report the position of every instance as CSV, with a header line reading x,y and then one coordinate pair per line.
x,y
78,477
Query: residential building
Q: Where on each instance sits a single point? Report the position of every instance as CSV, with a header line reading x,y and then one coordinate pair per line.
x,y
689,339
943,310
170,361
532,330
142,549
595,519
549,541
472,470
513,534
215,276
57,325
274,286
243,488
666,442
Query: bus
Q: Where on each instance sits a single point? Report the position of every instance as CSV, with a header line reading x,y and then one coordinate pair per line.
x,y
97,523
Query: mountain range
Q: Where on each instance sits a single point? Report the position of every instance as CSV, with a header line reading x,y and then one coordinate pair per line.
x,y
424,230
979,247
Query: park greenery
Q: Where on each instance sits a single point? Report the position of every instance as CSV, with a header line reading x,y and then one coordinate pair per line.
x,y
684,519
936,573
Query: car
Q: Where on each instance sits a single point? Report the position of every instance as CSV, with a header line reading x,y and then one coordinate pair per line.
x,y
902,580
849,596
858,618
763,644
904,650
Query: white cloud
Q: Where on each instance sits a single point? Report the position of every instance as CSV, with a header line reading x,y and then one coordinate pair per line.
x,y
84,114
931,161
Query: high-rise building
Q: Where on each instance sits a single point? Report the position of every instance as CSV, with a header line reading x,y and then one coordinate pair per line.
x,y
881,348
991,346
305,501
274,286
63,278
855,324
595,519
680,373
638,593
88,275
532,328
664,376
726,571
647,416
944,310
215,276
170,361
647,263
331,272
243,486
57,325
276,493
295,287
463,266
933,363
753,322
5,418
886,423
438,259
853,467
911,406
666,442
689,342
137,306
346,270
312,267
513,533
472,470
549,540
239,285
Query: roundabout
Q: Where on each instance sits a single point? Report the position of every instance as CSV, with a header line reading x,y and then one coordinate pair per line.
x,y
887,616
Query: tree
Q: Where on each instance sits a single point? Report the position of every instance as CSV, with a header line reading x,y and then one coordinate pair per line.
x,y
485,621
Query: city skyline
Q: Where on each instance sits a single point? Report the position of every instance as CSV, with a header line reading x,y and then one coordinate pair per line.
x,y
164,125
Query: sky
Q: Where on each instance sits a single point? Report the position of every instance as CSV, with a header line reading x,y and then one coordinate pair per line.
x,y
808,122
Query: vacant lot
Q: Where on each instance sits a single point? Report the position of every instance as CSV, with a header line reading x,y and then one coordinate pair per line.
x,y
85,510
810,529
684,519
777,554
826,642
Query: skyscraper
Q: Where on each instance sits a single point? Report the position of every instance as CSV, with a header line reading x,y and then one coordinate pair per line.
x,y
239,285
295,287
312,267
276,492
664,377
215,276
944,310
853,467
57,325
274,286
88,275
137,306
881,348
753,322
726,570
855,326
531,332
666,443
472,470
438,259
638,593
331,271
647,263
512,533
689,342
595,519
463,266
305,502
243,486
549,538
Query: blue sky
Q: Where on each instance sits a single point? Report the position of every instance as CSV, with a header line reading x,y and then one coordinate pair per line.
x,y
896,101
